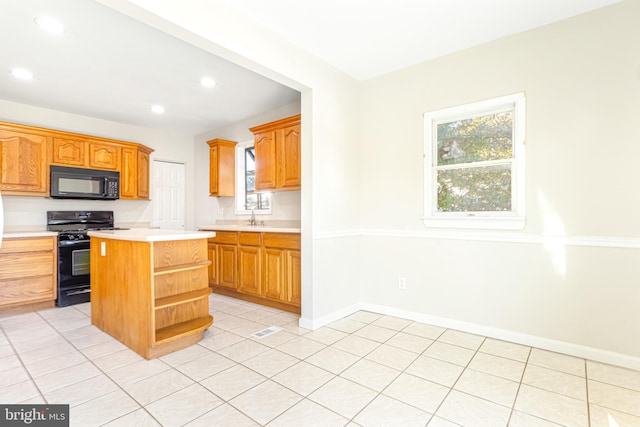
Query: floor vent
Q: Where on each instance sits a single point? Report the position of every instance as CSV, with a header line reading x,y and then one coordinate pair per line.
x,y
266,332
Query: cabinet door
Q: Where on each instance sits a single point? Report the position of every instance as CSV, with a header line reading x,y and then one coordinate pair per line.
x,y
69,152
214,155
129,174
266,160
289,175
273,277
293,278
249,270
143,175
24,163
227,258
104,156
212,255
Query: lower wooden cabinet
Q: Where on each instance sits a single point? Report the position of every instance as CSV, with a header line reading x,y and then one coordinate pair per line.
x,y
28,273
249,263
266,267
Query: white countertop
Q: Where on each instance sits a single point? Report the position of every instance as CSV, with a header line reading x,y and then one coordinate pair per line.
x,y
151,234
23,234
252,228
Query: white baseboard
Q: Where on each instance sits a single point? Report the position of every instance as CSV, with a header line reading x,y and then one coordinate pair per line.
x,y
585,352
329,318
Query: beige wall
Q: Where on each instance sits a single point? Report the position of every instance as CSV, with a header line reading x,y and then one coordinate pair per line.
x,y
569,281
577,292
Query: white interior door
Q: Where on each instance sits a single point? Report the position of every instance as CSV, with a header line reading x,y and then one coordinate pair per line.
x,y
168,195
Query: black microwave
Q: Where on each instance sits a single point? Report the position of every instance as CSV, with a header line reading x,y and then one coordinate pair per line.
x,y
80,183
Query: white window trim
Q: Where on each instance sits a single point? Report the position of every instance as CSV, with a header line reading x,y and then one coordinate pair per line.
x,y
240,184
513,220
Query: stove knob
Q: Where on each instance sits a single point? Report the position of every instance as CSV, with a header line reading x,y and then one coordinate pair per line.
x,y
71,237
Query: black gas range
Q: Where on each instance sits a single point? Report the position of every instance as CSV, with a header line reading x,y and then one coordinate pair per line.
x,y
74,285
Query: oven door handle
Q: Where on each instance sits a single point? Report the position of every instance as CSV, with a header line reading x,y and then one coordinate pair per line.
x,y
83,291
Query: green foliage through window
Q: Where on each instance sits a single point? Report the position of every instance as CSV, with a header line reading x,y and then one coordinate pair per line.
x,y
473,163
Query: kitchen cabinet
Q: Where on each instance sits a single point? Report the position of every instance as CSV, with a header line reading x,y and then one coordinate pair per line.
x,y
223,254
83,152
26,153
153,296
134,173
249,263
277,150
222,167
24,161
281,269
28,273
144,169
267,267
69,152
104,156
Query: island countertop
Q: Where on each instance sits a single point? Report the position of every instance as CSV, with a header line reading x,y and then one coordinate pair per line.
x,y
151,234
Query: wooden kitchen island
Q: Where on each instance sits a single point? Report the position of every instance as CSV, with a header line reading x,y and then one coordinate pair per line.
x,y
149,287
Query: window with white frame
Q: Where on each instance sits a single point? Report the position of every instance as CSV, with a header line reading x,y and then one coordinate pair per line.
x,y
247,199
474,165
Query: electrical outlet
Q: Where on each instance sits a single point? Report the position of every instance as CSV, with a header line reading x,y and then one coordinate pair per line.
x,y
402,283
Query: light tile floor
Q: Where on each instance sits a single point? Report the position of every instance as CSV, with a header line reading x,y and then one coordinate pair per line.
x,y
363,370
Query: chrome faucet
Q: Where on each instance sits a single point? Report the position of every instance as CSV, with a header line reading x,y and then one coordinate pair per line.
x,y
252,221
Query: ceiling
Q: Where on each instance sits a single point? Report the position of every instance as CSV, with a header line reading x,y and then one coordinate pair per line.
x,y
368,38
109,66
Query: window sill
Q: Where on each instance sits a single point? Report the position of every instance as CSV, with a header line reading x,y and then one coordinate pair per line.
x,y
477,223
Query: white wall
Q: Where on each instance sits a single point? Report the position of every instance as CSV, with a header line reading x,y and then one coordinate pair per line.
x,y
285,204
362,179
330,151
21,212
576,293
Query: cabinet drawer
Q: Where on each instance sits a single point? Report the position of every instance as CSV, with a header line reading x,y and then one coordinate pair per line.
x,y
28,245
27,290
249,239
16,266
281,240
228,237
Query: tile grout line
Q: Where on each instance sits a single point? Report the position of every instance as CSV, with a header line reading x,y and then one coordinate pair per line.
x,y
515,398
105,374
24,366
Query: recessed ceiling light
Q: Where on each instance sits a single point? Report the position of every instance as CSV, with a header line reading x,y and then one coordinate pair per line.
x,y
22,74
158,109
49,24
207,82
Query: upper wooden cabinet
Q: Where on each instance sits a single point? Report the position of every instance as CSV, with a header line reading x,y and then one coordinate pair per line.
x,y
222,167
24,161
69,152
27,151
104,156
86,153
134,173
144,169
277,148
